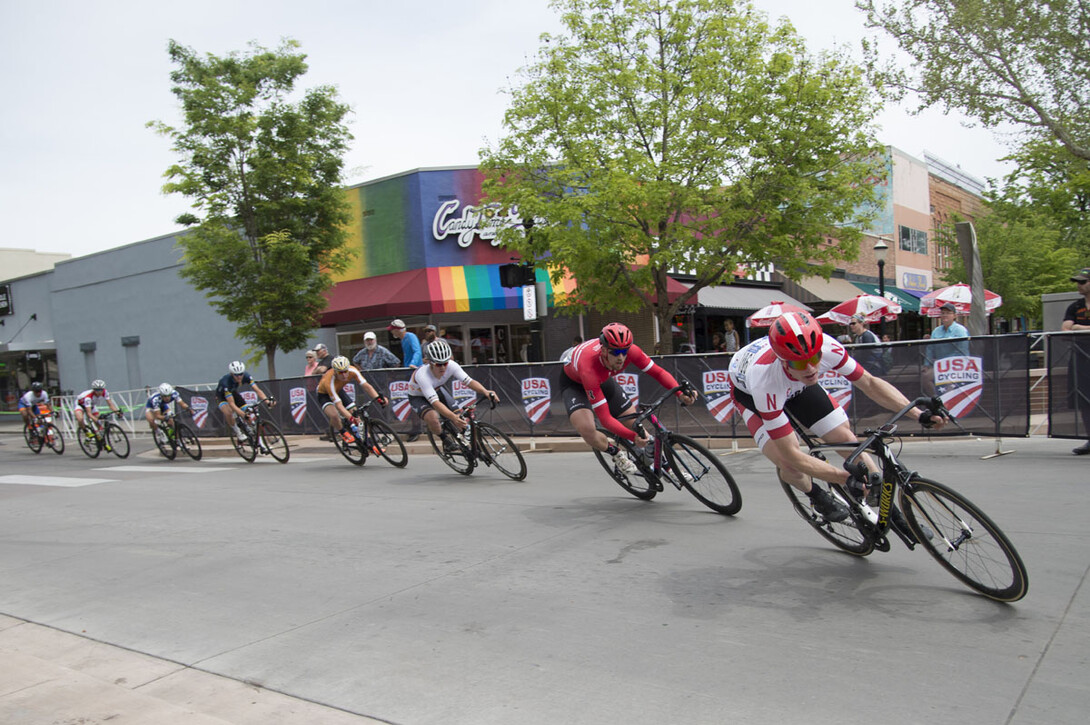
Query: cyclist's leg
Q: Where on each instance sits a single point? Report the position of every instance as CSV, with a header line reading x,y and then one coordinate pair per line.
x,y
423,411
79,413
151,417
228,414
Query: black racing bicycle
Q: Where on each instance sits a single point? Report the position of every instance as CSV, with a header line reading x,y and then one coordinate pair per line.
x,y
674,458
259,435
951,528
172,435
102,435
369,437
41,431
479,442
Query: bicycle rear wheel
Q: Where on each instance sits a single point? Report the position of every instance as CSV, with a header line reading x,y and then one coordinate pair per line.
x,y
704,475
453,452
88,443
272,440
163,443
33,441
116,440
844,534
188,441
641,484
966,542
53,438
243,447
498,448
389,443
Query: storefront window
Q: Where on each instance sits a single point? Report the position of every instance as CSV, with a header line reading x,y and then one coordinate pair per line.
x,y
481,348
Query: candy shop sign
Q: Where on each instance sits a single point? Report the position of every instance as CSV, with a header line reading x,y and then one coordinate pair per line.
x,y
483,222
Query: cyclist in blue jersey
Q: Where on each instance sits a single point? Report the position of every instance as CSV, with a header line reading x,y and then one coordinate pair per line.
x,y
158,404
231,401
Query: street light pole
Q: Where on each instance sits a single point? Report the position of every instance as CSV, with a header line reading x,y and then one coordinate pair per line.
x,y
881,249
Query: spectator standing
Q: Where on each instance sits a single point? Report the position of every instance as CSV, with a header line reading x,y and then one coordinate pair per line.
x,y
430,333
1077,317
312,363
949,328
412,358
373,356
871,358
325,360
717,343
731,341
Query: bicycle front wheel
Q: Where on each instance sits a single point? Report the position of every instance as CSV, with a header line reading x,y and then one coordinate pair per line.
x,y
116,440
188,441
965,541
349,449
88,443
844,534
243,447
498,449
389,444
451,450
272,440
703,474
638,484
33,441
163,443
53,438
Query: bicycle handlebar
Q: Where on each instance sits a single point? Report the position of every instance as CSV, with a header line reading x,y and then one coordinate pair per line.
x,y
646,409
932,404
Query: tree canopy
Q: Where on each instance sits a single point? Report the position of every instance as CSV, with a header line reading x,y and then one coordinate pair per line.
x,y
685,135
1023,62
263,174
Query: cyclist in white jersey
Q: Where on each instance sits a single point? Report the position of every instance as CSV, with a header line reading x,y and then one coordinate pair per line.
x,y
427,396
778,374
86,403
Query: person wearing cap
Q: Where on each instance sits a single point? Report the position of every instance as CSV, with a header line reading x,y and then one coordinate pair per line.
x,y
1077,317
871,358
948,328
373,356
430,333
413,358
325,360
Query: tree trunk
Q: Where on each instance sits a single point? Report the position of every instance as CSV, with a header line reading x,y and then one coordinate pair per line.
x,y
270,357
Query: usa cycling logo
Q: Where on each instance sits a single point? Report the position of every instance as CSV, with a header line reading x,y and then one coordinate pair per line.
x,y
399,399
297,397
717,393
536,397
837,386
959,381
630,384
462,393
199,404
250,397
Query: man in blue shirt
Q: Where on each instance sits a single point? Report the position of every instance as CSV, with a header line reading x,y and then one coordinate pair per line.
x,y
948,328
413,358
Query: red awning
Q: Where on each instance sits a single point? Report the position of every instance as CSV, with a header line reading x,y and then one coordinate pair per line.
x,y
388,295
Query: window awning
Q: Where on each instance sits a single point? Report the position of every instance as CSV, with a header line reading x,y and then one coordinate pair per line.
x,y
435,290
908,303
738,298
834,289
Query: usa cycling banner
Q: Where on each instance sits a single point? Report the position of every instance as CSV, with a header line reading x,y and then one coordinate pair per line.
x,y
536,397
399,399
959,381
838,388
717,394
199,404
630,384
297,399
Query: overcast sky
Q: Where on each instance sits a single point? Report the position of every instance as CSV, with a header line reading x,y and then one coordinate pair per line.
x,y
79,80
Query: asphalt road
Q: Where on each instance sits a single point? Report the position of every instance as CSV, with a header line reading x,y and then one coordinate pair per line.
x,y
419,596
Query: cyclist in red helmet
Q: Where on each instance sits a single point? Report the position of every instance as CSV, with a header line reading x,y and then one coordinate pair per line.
x,y
779,373
587,385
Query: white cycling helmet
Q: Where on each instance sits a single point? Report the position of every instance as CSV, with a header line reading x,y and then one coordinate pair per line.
x,y
237,367
438,351
98,385
166,390
340,363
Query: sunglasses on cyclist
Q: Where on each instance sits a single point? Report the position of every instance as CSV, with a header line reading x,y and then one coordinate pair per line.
x,y
618,350
803,364
440,365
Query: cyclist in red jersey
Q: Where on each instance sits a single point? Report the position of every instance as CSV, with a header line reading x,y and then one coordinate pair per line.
x,y
587,384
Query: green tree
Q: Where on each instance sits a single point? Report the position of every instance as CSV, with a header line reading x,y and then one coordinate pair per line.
x,y
262,172
687,135
1023,62
1021,256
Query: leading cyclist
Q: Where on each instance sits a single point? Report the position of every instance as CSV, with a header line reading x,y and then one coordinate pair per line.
x,y
587,384
779,373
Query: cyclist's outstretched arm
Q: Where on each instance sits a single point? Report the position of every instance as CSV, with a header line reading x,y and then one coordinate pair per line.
x,y
891,398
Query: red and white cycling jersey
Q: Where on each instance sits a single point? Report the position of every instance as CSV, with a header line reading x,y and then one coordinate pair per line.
x,y
587,369
86,399
757,371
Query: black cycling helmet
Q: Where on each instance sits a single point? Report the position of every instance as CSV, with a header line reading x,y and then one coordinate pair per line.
x,y
36,386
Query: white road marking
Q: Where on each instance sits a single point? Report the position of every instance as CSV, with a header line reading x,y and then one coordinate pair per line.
x,y
54,481
166,468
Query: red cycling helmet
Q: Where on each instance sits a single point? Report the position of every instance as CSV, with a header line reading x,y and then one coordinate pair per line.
x,y
795,336
616,335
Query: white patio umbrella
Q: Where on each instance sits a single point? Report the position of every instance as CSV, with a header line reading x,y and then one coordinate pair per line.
x,y
872,307
767,315
959,295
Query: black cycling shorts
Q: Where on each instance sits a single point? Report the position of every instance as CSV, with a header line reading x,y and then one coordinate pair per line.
x,y
325,399
574,396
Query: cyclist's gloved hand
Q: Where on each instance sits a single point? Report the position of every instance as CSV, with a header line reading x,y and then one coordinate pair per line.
x,y
925,418
119,413
857,471
381,400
